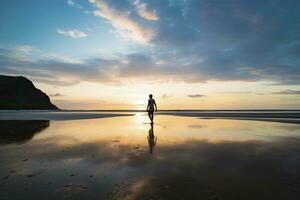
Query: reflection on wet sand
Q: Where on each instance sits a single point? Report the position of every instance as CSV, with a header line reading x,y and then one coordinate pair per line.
x,y
94,159
151,139
20,131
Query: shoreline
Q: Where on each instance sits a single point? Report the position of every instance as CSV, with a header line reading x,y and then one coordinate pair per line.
x,y
56,116
274,116
292,118
295,115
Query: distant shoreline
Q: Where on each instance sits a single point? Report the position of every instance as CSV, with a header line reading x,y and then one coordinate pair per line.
x,y
274,116
286,116
190,110
171,110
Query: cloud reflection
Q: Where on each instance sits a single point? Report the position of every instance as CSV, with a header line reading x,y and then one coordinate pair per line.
x,y
190,170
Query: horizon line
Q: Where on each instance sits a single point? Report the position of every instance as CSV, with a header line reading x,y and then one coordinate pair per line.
x,y
138,110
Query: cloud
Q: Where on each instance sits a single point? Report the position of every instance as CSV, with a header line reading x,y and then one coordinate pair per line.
x,y
287,92
196,95
240,40
77,5
143,12
191,41
56,95
164,96
24,48
237,92
126,27
59,58
74,33
58,69
52,68
71,2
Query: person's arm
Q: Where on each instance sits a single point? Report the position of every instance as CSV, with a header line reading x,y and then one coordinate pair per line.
x,y
155,106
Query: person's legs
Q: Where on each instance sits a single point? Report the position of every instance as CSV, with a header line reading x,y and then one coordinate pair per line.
x,y
152,117
150,114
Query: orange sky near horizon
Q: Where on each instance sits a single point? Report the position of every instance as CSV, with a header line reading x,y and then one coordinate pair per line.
x,y
171,95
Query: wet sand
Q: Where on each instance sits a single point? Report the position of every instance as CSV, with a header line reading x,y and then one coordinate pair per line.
x,y
55,115
271,116
275,116
127,158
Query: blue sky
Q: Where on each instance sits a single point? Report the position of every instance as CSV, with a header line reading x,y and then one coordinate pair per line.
x,y
63,43
36,23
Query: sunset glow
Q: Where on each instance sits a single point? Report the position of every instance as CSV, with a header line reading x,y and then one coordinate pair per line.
x,y
100,54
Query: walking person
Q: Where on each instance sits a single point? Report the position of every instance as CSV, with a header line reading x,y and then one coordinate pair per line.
x,y
151,108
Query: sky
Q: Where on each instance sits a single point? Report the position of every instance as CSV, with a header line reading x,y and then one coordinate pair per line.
x,y
190,54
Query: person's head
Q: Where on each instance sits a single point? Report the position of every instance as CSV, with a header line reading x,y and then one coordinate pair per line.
x,y
150,96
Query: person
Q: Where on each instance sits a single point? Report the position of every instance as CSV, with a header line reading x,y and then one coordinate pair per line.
x,y
151,107
151,139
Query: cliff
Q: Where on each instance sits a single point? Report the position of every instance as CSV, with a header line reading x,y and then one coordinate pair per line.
x,y
18,93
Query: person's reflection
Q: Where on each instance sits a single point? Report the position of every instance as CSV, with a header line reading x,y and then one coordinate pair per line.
x,y
151,139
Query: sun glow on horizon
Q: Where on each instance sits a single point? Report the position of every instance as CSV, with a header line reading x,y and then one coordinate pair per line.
x,y
171,95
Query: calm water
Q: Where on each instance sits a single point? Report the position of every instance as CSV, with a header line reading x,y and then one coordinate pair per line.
x,y
126,158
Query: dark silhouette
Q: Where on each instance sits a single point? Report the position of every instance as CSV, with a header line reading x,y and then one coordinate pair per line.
x,y
151,139
20,131
19,93
151,107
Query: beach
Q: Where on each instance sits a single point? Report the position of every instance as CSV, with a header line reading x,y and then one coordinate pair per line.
x,y
149,100
286,116
111,155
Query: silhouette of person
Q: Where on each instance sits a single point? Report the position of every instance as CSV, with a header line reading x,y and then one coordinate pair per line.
x,y
151,107
151,139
